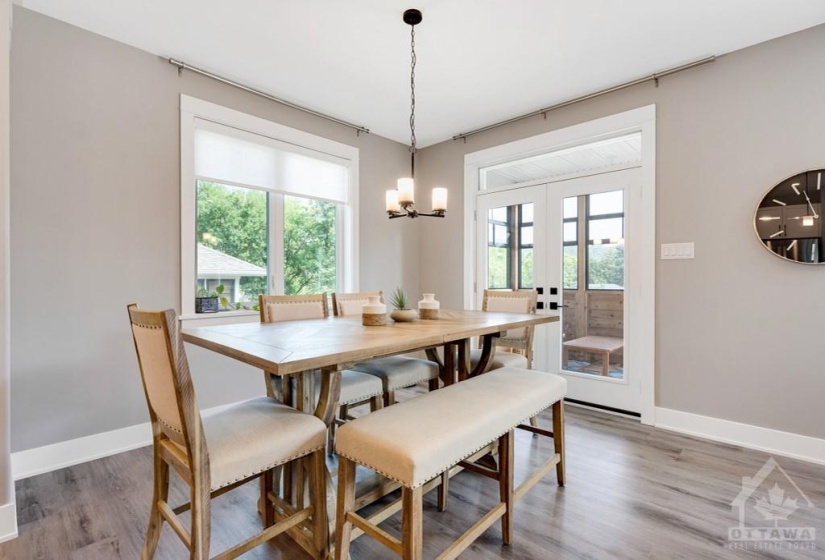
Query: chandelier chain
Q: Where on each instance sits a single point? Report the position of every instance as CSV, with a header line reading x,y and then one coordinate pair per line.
x,y
412,89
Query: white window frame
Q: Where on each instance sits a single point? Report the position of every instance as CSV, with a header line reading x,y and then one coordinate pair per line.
x,y
642,227
192,108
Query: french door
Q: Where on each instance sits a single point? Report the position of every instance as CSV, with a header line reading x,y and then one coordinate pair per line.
x,y
570,240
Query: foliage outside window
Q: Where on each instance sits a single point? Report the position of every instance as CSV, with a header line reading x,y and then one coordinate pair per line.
x,y
605,241
236,237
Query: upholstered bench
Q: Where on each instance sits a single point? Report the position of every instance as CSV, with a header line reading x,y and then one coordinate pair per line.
x,y
415,441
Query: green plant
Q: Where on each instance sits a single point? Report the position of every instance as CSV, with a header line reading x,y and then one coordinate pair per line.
x,y
217,292
399,299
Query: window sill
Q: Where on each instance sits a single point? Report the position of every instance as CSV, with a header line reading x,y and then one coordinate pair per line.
x,y
219,318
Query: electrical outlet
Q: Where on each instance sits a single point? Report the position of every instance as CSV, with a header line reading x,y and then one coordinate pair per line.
x,y
677,250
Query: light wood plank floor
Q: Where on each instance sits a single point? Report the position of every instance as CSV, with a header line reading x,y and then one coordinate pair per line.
x,y
632,492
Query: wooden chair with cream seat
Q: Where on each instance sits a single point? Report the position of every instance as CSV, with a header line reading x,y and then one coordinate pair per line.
x,y
395,372
357,388
515,347
221,452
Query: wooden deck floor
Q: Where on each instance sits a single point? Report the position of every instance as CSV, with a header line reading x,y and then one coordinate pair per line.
x,y
633,492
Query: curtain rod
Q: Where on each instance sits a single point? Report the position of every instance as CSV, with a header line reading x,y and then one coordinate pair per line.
x,y
543,112
183,66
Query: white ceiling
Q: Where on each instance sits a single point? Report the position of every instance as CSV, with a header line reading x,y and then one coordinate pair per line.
x,y
479,61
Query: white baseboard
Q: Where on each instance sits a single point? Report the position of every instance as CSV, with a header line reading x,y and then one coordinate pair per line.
x,y
8,522
63,454
777,442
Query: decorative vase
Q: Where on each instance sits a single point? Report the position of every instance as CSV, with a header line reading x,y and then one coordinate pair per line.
x,y
404,315
428,307
374,313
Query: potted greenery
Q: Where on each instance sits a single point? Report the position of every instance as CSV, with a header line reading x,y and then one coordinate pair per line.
x,y
402,313
210,302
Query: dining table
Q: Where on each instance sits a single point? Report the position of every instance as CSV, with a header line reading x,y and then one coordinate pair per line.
x,y
298,348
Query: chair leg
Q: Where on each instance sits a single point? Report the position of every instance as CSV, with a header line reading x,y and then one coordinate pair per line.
x,y
318,483
412,528
160,494
444,490
433,384
201,520
505,481
389,398
267,486
558,439
376,403
346,504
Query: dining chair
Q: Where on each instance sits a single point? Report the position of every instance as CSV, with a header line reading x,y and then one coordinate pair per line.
x,y
222,451
516,343
357,388
395,372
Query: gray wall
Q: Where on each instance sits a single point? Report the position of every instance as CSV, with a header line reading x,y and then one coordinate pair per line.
x,y
96,224
738,331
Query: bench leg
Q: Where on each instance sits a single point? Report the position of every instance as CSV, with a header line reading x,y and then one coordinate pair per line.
x,y
558,439
412,526
346,504
505,481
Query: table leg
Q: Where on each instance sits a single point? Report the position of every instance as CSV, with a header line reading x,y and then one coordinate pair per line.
x,y
450,365
606,364
330,394
488,352
464,365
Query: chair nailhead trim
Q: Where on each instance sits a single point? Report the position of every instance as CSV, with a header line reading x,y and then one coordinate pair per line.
x,y
272,466
430,477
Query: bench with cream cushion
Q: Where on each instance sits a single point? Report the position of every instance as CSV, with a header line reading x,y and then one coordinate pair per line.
x,y
415,441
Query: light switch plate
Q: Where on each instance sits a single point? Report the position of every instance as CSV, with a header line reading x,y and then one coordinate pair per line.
x,y
677,250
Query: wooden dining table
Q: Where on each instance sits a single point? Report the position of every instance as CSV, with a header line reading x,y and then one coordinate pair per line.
x,y
331,345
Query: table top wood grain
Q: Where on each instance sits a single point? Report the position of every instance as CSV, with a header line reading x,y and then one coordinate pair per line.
x,y
295,346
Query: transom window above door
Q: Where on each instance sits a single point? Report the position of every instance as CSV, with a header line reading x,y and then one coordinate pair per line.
x,y
594,157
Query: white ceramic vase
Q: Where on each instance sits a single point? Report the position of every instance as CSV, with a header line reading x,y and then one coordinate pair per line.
x,y
428,307
374,313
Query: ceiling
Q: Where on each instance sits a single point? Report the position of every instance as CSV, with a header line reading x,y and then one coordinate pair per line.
x,y
479,61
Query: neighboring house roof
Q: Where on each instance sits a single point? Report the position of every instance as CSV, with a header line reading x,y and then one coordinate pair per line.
x,y
216,264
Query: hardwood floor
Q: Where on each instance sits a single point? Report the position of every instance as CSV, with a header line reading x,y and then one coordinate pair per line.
x,y
632,492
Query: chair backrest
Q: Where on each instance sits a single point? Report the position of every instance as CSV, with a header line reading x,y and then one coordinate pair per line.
x,y
164,369
291,308
512,301
351,304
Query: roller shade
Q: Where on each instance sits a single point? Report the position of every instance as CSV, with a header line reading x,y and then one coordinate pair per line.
x,y
225,154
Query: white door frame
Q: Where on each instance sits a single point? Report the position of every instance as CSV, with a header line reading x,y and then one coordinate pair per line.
x,y
641,331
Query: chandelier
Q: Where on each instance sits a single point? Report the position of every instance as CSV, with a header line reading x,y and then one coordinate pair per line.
x,y
401,200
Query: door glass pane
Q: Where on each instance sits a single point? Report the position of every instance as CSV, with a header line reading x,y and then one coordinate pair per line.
x,y
526,268
607,203
310,244
499,248
232,226
593,319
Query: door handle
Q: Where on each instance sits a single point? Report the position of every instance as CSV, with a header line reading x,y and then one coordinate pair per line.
x,y
554,305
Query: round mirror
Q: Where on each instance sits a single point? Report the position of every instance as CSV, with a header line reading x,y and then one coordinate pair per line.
x,y
788,220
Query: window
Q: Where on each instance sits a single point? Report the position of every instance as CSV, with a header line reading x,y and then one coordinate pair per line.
x,y
264,208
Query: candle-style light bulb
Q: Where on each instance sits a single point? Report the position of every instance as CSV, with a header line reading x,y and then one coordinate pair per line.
x,y
392,201
406,190
439,199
